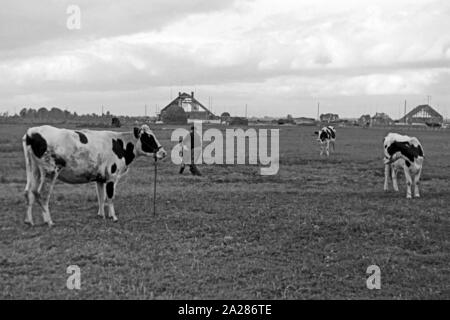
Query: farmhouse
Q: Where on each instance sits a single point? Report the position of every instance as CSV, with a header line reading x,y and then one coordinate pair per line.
x,y
381,119
193,109
423,114
364,120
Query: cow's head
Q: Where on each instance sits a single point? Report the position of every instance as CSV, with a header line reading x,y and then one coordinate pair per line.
x,y
147,143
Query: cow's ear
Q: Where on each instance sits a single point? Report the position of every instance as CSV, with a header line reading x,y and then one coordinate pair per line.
x,y
316,132
136,132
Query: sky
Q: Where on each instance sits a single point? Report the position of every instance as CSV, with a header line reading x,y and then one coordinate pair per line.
x,y
277,57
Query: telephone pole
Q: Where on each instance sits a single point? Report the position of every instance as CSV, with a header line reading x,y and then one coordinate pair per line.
x,y
245,110
318,111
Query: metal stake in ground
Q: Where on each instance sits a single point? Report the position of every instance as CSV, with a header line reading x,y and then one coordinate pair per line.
x,y
154,188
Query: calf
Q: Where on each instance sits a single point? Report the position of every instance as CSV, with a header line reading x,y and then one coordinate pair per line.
x,y
325,136
403,152
78,157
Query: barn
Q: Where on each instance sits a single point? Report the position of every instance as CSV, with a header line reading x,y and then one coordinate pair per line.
x,y
193,109
423,114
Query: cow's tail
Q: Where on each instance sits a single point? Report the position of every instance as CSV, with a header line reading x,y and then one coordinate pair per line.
x,y
27,161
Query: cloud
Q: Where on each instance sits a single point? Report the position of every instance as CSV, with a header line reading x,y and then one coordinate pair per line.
x,y
290,51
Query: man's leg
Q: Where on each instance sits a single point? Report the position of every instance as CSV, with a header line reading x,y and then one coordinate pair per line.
x,y
194,170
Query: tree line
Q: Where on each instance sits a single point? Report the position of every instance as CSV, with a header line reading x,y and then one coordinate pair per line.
x,y
56,114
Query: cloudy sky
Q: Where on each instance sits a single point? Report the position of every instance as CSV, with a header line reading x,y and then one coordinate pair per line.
x,y
277,56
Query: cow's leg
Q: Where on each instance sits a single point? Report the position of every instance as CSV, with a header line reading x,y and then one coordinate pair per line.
x,y
110,195
322,148
416,184
101,195
30,191
387,173
408,183
334,146
394,178
45,193
328,148
46,189
42,174
28,167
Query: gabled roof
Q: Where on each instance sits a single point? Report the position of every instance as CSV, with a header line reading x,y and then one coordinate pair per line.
x,y
426,108
183,96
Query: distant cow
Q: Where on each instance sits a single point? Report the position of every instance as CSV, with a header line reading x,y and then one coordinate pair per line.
x,y
325,136
78,157
403,152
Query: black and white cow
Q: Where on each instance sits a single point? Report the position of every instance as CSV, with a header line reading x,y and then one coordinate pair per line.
x,y
78,157
325,136
403,152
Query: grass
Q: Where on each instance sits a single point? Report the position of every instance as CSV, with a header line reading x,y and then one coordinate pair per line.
x,y
309,232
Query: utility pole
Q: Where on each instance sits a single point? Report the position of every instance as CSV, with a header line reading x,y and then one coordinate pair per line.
x,y
146,111
318,111
102,111
404,113
245,110
428,99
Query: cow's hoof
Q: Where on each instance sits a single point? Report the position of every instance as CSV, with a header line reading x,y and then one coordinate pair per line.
x,y
417,196
50,224
30,223
408,197
115,220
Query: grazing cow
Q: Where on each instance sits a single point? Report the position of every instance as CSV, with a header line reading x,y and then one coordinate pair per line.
x,y
325,136
403,152
78,157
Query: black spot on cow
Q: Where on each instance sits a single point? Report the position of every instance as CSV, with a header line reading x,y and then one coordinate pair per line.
x,y
324,135
110,189
37,143
113,168
405,148
82,136
408,164
136,132
128,154
59,161
332,133
148,142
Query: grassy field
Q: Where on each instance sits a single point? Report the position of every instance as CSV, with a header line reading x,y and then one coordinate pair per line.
x,y
309,232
